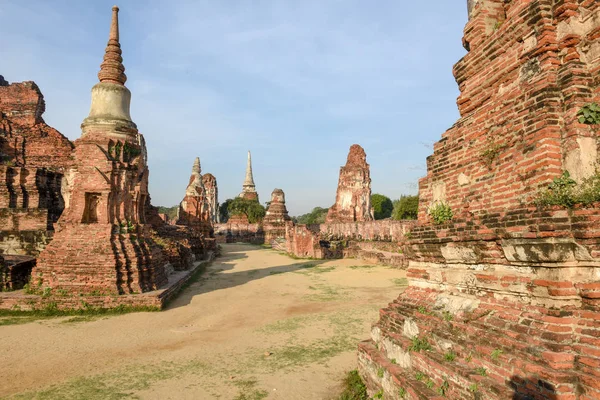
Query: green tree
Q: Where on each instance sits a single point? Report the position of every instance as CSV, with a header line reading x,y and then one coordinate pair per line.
x,y
406,207
316,216
250,208
382,206
224,211
171,212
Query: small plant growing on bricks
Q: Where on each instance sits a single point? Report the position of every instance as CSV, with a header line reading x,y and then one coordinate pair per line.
x,y
481,371
380,372
402,393
419,376
418,344
496,354
443,388
473,388
450,356
447,316
441,213
589,114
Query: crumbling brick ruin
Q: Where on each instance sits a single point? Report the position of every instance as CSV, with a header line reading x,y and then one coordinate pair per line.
x,y
100,245
276,218
212,195
195,209
504,298
353,198
110,248
33,160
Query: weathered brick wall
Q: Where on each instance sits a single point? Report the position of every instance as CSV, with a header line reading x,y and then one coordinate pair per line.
x,y
532,65
239,231
504,299
25,139
34,158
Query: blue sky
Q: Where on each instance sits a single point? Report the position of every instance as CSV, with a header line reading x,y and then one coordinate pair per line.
x,y
297,82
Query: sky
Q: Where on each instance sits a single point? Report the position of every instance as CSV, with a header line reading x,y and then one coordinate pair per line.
x,y
296,82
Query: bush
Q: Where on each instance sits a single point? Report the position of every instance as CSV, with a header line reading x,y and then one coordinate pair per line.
x,y
441,213
382,206
564,191
406,207
316,216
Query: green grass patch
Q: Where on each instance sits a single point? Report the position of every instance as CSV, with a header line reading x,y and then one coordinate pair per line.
x,y
17,317
121,384
248,390
353,387
400,281
363,266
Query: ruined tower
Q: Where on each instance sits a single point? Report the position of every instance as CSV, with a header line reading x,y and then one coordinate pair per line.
x,y
212,196
100,245
276,217
194,209
353,198
248,188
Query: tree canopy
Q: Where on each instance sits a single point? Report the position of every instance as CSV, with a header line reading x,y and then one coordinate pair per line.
x,y
382,206
316,216
250,208
406,207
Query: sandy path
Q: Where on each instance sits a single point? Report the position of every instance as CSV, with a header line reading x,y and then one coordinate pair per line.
x,y
258,325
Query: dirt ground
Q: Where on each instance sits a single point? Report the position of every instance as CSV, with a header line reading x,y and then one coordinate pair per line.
x,y
257,325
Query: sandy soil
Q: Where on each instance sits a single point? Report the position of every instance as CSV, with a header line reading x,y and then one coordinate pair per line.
x,y
258,325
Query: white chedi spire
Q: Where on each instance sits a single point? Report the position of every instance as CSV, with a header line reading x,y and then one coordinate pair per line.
x,y
249,181
195,179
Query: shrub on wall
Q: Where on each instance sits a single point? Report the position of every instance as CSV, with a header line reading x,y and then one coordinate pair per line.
x,y
440,213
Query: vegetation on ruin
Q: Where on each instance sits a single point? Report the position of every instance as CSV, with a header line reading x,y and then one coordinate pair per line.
x,y
252,209
354,388
406,207
417,344
490,153
443,388
450,356
382,206
440,213
496,354
566,192
402,393
589,114
481,371
316,216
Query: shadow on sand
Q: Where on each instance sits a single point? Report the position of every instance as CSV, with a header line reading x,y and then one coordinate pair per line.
x,y
231,254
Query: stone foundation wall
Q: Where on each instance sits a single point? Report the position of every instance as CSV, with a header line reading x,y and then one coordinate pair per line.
x,y
239,232
373,241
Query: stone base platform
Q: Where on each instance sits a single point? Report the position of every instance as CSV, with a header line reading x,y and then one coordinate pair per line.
x,y
21,301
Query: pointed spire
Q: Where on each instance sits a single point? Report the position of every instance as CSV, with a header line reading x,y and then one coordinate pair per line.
x,y
112,69
196,168
249,181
